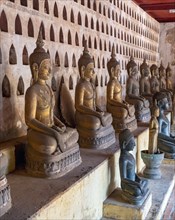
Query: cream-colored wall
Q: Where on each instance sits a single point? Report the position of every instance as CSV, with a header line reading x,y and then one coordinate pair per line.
x,y
167,45
131,31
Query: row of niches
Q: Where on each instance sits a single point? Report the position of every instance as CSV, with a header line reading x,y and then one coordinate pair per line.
x,y
68,37
97,6
20,89
68,61
88,23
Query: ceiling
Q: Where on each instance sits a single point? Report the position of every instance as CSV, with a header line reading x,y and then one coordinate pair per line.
x,y
158,9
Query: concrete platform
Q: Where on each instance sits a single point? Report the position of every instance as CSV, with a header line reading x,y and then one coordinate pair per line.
x,y
114,207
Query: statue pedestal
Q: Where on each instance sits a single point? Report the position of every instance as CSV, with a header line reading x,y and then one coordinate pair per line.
x,y
115,207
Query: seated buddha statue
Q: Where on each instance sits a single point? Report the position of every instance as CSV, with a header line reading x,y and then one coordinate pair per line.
x,y
169,84
133,96
93,124
134,189
122,112
5,195
162,83
145,87
166,143
52,149
154,81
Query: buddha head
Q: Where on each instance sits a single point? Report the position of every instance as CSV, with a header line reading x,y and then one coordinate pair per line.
x,y
161,100
86,64
113,65
40,61
126,140
162,70
168,71
132,68
144,68
154,70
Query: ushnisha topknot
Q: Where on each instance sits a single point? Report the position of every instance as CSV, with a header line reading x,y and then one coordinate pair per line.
x,y
123,136
112,62
85,58
39,54
143,65
153,67
130,64
161,68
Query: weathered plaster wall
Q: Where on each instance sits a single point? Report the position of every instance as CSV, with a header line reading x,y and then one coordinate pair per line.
x,y
66,24
167,45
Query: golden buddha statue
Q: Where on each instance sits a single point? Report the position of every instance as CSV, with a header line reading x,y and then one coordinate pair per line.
x,y
132,93
162,83
93,124
145,87
169,84
52,149
154,81
122,112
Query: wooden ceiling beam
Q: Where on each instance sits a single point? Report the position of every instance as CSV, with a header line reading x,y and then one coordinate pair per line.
x,y
162,6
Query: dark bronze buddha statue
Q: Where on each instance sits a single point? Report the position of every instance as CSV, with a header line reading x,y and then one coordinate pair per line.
x,y
52,149
122,112
134,189
133,96
166,143
93,124
154,80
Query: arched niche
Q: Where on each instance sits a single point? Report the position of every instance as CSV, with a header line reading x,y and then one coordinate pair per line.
x,y
23,2
30,28
98,63
66,60
52,34
25,58
70,83
6,91
74,61
72,16
64,13
18,27
36,5
76,39
20,87
86,21
53,84
12,55
69,38
79,19
3,22
96,81
46,7
57,59
61,37
101,81
42,30
55,10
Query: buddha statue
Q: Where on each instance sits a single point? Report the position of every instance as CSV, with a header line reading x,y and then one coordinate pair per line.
x,y
134,189
133,96
166,142
162,83
123,113
145,87
52,149
93,124
5,195
169,84
154,81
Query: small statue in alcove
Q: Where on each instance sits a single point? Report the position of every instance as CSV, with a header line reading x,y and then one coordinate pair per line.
x,y
134,189
50,144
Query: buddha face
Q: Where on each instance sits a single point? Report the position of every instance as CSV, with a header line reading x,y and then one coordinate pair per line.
x,y
88,71
163,103
134,71
162,73
116,71
169,73
130,145
156,112
44,70
146,72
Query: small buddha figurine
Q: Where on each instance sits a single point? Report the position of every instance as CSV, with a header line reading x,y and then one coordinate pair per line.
x,y
169,84
122,112
132,93
5,195
145,87
52,149
93,124
166,142
162,83
134,189
154,81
